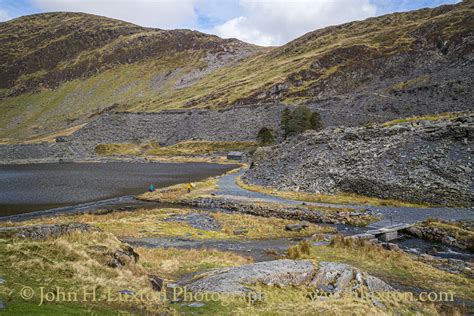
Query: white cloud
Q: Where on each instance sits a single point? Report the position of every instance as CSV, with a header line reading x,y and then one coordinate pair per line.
x,y
279,21
4,16
263,22
166,14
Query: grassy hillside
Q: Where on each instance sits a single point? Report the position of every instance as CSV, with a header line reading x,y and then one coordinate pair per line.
x,y
120,66
59,69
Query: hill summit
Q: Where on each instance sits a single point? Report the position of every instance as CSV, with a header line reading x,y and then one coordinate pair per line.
x,y
59,70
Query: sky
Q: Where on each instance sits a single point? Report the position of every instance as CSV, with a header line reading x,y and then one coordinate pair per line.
x,y
261,22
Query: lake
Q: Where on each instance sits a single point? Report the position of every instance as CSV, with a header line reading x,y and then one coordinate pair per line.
x,y
33,187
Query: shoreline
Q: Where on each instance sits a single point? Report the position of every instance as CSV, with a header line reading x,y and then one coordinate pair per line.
x,y
131,159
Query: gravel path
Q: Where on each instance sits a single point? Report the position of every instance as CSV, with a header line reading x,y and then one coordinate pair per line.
x,y
391,215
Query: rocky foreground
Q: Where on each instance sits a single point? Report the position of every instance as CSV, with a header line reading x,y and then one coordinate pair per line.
x,y
331,277
425,161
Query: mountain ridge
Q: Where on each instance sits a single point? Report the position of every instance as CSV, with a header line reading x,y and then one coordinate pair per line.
x,y
361,68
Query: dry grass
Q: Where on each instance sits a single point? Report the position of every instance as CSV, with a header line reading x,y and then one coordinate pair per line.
x,y
461,231
118,149
185,148
341,198
74,262
201,148
431,117
301,250
395,267
143,223
173,263
49,138
175,193
304,301
221,159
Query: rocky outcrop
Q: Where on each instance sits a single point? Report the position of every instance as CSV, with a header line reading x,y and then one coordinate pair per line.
x,y
233,280
335,277
329,277
427,161
451,237
294,212
42,232
122,257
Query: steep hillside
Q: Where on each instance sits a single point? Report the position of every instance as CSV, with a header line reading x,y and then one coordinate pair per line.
x,y
374,70
57,68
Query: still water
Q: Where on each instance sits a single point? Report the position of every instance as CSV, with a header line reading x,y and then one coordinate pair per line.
x,y
27,188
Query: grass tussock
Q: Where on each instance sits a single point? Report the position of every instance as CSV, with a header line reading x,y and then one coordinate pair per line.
x,y
395,267
340,198
301,250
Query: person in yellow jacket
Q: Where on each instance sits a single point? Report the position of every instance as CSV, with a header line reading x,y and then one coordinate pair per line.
x,y
189,186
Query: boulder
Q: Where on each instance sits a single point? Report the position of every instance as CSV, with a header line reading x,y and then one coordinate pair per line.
x,y
233,280
329,277
296,227
242,231
156,282
343,277
122,257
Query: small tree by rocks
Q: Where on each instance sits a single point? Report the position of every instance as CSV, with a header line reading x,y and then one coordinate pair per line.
x,y
316,122
285,119
265,137
299,120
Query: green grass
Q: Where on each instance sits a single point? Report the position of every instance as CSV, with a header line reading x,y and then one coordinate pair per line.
x,y
26,308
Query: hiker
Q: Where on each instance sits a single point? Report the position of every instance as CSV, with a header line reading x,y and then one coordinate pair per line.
x,y
151,188
189,187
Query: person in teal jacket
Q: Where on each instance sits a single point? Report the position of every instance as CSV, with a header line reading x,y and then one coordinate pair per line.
x,y
151,188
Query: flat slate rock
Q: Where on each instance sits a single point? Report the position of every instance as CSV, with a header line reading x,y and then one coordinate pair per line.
x,y
197,220
328,276
232,280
